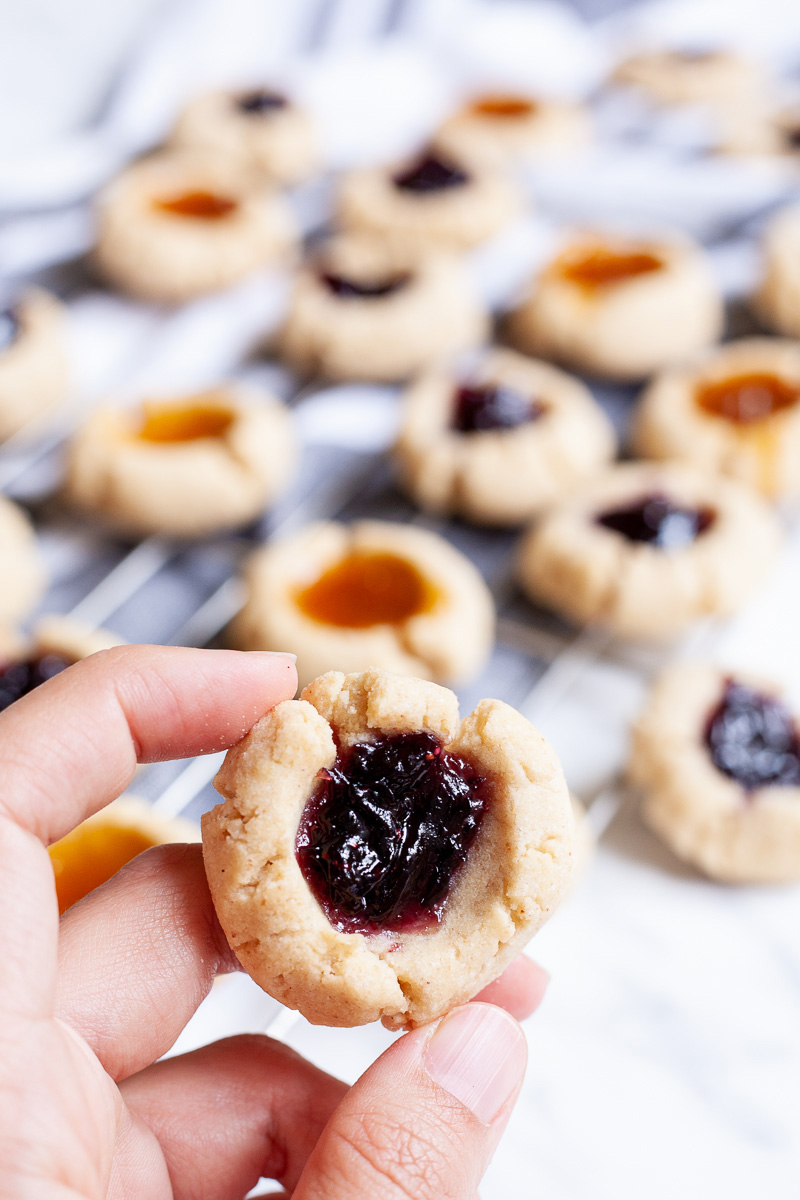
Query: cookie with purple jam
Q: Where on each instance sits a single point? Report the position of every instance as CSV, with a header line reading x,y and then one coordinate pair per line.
x,y
377,858
717,755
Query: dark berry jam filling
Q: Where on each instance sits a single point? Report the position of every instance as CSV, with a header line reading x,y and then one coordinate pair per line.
x,y
656,520
351,289
430,173
753,738
491,406
260,101
9,328
19,678
387,829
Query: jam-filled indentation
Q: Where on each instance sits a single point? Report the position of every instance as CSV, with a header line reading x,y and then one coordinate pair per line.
x,y
503,107
198,205
354,289
658,521
9,328
169,423
366,589
431,173
89,856
22,676
745,399
481,407
602,266
260,102
387,830
753,738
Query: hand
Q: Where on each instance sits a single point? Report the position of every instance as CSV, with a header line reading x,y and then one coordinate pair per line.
x,y
86,1008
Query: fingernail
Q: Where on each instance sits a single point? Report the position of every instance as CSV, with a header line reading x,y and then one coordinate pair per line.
x,y
478,1054
275,654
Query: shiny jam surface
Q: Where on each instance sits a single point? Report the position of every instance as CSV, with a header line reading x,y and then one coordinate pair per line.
x,y
90,855
491,406
352,289
600,266
19,678
431,173
367,589
9,328
260,101
503,106
199,205
184,423
386,831
744,399
752,737
656,520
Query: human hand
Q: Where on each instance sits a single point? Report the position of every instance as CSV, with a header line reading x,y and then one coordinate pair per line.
x,y
86,1008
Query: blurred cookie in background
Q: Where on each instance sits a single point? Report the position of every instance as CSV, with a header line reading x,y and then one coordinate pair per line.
x,y
503,128
692,75
21,568
57,642
34,367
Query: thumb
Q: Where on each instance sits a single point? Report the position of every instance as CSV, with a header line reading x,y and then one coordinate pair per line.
x,y
424,1120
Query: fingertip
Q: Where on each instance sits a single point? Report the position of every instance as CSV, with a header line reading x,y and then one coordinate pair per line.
x,y
519,990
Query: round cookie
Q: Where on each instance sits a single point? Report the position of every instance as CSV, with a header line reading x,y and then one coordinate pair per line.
x,y
718,758
620,309
34,371
55,644
261,127
22,572
737,411
101,845
178,225
184,467
433,198
777,301
702,76
646,549
503,128
373,593
353,929
499,446
379,309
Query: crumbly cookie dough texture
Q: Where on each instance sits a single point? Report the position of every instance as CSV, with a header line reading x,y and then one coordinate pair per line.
x,y
777,301
22,572
550,126
457,217
593,575
516,871
34,370
189,488
501,476
449,643
764,454
673,77
168,258
703,815
437,313
628,329
279,145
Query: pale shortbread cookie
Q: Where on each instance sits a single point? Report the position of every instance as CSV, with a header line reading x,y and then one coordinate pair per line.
x,y
21,569
595,575
458,217
667,308
433,314
777,301
501,129
34,370
264,129
448,640
222,477
705,816
764,453
500,476
692,77
168,257
515,873
56,634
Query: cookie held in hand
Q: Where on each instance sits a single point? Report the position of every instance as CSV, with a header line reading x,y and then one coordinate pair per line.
x,y
375,857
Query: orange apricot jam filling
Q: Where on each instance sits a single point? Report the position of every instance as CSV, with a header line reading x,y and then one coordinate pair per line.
x,y
90,855
745,399
503,106
190,422
602,266
366,589
200,205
